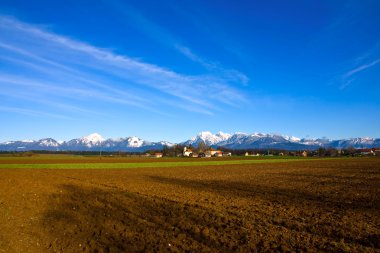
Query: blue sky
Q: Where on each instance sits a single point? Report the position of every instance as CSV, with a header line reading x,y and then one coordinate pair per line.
x,y
166,70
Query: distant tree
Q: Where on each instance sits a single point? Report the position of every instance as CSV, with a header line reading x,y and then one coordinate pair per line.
x,y
166,151
331,151
321,151
350,151
202,146
178,149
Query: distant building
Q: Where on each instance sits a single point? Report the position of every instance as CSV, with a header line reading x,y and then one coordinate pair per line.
x,y
187,152
218,154
215,152
367,151
248,154
304,154
157,155
207,153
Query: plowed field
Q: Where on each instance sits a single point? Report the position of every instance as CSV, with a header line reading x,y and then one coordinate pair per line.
x,y
310,205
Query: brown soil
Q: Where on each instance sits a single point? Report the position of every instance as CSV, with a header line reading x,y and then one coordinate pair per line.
x,y
329,205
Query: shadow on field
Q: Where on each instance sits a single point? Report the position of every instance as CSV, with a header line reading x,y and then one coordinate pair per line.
x,y
289,196
94,219
318,214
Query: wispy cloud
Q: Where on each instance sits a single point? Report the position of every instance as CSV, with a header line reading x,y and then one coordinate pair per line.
x,y
33,113
164,37
62,66
350,76
207,24
228,74
361,68
357,66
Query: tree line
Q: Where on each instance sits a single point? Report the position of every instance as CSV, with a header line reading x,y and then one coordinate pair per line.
x,y
177,150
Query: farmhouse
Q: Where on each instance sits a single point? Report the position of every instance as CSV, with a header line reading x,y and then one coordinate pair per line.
x,y
157,155
218,154
367,151
248,154
187,152
215,152
205,154
209,153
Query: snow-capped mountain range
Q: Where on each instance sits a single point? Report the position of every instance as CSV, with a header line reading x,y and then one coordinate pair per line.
x,y
276,141
95,142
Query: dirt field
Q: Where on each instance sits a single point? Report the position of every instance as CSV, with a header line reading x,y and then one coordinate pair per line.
x,y
328,205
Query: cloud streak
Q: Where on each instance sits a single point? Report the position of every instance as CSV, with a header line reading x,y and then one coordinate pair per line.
x,y
60,66
360,64
164,37
228,74
32,113
361,68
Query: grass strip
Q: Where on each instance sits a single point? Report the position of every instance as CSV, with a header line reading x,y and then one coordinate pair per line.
x,y
148,164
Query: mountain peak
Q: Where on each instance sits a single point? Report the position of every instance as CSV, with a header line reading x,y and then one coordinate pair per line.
x,y
222,135
93,138
209,138
205,134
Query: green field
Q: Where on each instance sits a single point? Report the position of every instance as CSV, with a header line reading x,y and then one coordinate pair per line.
x,y
152,164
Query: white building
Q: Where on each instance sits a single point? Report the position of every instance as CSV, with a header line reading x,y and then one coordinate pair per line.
x,y
187,152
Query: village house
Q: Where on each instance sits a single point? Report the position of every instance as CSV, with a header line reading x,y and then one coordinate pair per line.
x,y
218,154
215,152
207,154
367,151
157,155
187,152
248,154
304,154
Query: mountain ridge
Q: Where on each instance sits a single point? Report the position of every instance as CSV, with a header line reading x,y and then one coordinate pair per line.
x,y
238,140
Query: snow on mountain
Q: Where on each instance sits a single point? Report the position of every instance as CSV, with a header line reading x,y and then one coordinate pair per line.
x,y
240,140
48,142
166,143
208,138
356,142
134,142
92,139
223,136
292,138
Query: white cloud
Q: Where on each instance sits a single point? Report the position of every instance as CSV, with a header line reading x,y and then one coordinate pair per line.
x,y
69,67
